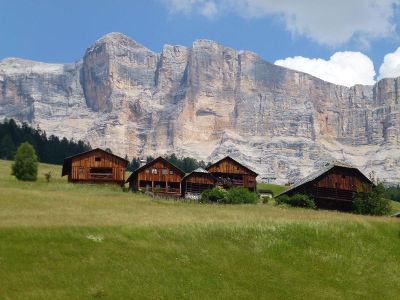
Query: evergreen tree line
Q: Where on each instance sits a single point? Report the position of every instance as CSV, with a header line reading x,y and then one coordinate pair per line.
x,y
186,164
393,193
50,149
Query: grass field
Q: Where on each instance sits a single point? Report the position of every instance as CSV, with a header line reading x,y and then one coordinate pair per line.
x,y
64,241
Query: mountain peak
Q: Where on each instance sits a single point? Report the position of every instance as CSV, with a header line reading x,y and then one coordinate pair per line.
x,y
118,39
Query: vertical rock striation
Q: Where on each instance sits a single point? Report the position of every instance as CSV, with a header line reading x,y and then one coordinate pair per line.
x,y
207,101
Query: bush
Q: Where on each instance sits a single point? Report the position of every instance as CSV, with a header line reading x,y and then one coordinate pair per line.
x,y
370,201
239,195
213,195
297,200
282,199
265,200
25,166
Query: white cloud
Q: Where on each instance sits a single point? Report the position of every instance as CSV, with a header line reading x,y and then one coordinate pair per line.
x,y
207,8
329,22
391,65
344,68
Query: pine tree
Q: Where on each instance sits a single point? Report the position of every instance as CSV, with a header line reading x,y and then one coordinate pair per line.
x,y
7,147
25,166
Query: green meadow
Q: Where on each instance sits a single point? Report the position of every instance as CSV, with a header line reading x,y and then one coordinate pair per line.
x,y
72,241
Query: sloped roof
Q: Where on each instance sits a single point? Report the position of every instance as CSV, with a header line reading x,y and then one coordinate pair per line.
x,y
200,171
320,172
235,161
152,162
67,161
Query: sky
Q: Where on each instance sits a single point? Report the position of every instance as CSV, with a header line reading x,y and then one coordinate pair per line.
x,y
342,41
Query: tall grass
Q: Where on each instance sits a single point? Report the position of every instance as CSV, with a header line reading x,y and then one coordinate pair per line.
x,y
67,241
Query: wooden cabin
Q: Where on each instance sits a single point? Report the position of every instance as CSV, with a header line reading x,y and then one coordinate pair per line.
x,y
230,173
196,182
332,187
95,166
158,177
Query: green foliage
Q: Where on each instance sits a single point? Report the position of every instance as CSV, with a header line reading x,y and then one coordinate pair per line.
x,y
7,147
134,164
239,195
186,164
393,193
232,196
282,199
47,176
49,149
25,166
297,200
265,200
370,201
216,194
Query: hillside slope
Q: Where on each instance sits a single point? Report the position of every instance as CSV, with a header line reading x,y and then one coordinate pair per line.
x,y
65,241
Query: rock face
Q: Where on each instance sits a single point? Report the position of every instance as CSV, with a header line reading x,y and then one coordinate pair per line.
x,y
207,101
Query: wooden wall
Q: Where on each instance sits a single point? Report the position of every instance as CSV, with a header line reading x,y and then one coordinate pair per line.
x,y
81,165
343,179
163,173
334,189
200,178
229,168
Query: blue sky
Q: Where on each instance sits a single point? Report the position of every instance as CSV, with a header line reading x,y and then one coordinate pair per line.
x,y
362,30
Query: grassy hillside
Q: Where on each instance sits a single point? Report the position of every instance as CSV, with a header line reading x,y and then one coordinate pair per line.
x,y
277,189
64,241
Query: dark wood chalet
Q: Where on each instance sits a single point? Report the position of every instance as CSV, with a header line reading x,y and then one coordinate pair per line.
x,y
95,166
331,187
159,177
196,182
230,173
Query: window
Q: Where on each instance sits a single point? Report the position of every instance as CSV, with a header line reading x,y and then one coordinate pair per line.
x,y
100,170
81,170
97,158
153,171
165,171
171,172
147,171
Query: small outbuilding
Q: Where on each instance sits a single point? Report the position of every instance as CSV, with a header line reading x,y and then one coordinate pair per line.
x,y
230,173
95,166
158,177
196,182
332,187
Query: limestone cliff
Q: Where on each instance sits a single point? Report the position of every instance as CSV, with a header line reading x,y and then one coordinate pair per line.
x,y
207,101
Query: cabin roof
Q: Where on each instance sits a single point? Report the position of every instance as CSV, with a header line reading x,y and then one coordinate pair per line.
x,y
68,160
235,161
315,175
152,162
200,171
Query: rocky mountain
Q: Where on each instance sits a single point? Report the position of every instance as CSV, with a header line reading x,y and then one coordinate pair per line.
x,y
207,101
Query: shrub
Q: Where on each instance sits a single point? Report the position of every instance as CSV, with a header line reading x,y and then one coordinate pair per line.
x,y
265,200
370,201
47,176
297,200
282,199
25,166
213,195
240,195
